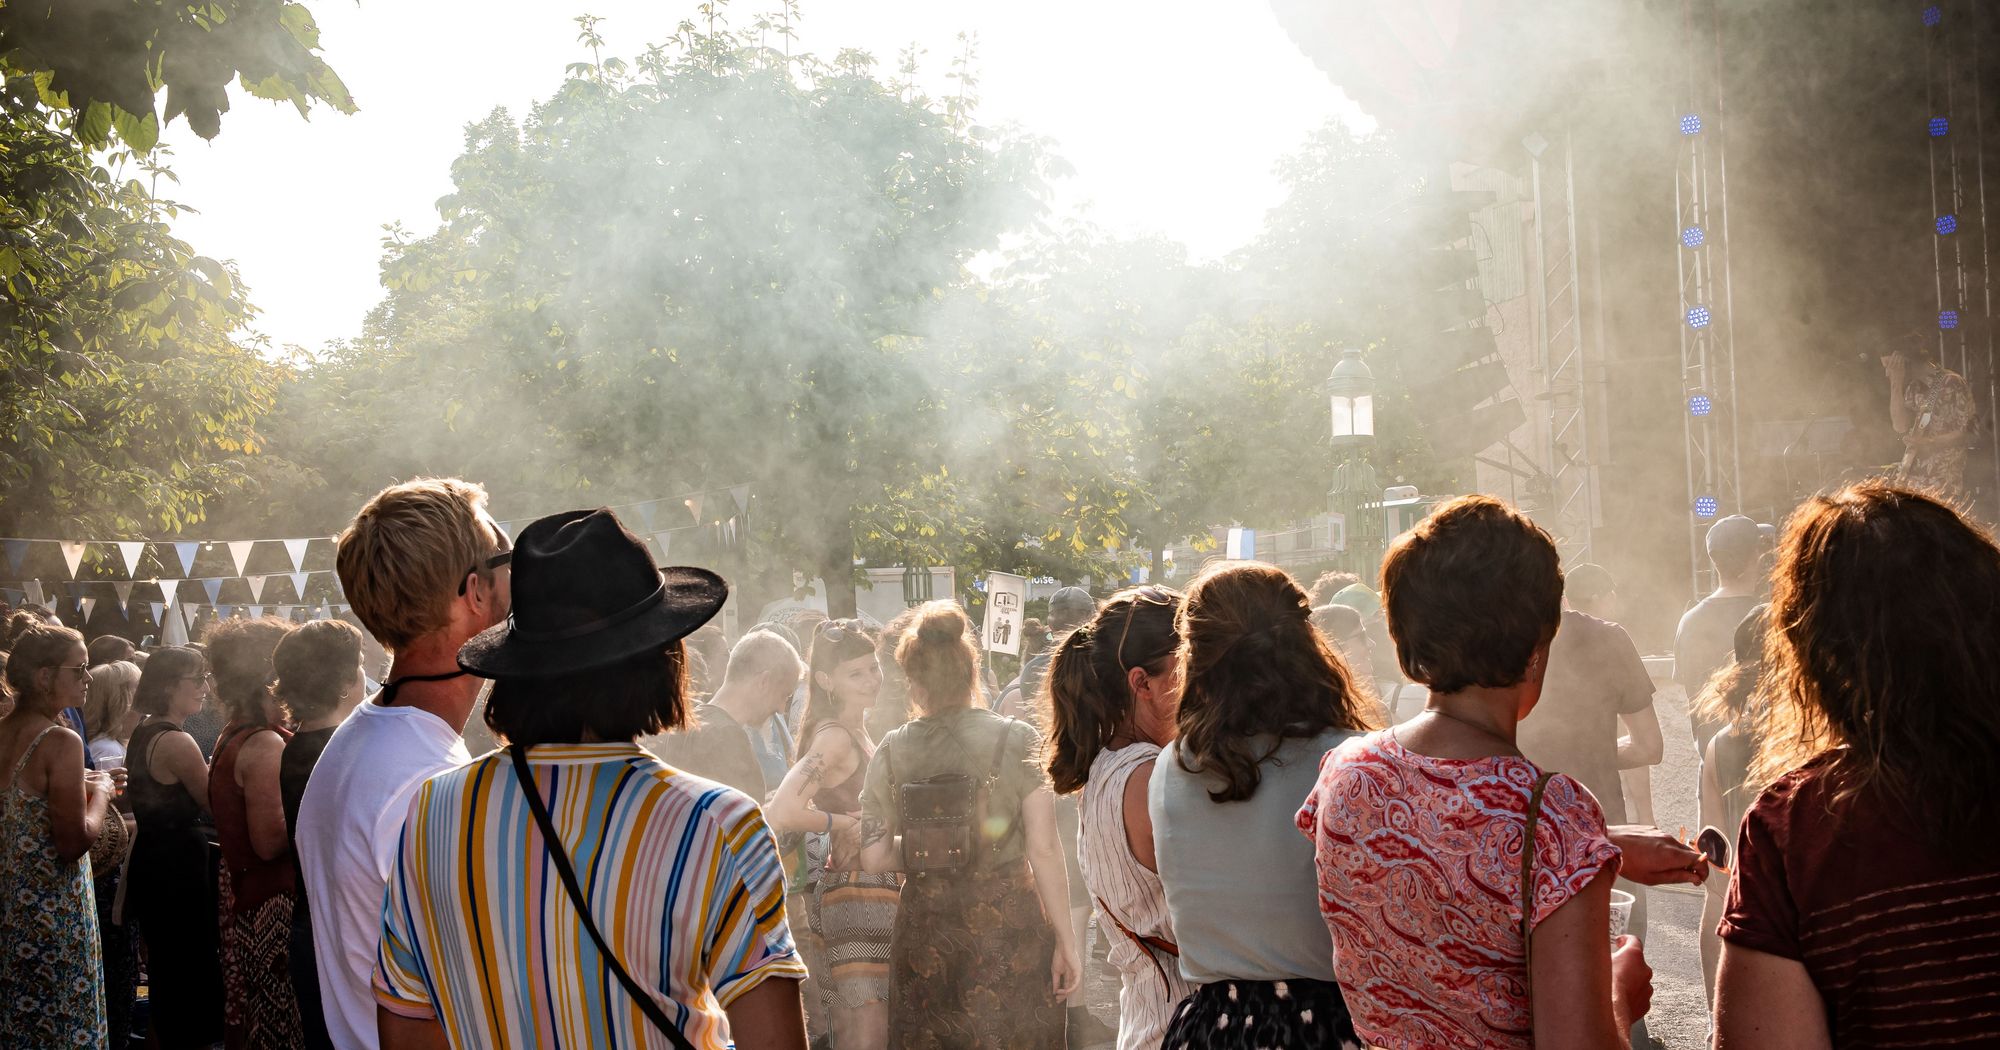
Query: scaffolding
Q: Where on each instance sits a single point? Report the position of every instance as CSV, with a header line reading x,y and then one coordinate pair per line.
x,y
1964,287
1701,226
1562,353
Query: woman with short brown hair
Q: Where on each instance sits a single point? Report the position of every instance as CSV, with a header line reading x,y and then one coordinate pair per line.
x,y
1861,909
1437,842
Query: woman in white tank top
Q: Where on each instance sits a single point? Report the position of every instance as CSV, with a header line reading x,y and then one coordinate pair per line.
x,y
1112,691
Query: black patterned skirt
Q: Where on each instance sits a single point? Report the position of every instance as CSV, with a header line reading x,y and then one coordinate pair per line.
x,y
1250,1015
971,965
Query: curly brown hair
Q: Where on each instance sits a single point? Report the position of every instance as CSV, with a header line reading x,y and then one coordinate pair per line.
x,y
1255,666
1470,594
240,652
1883,658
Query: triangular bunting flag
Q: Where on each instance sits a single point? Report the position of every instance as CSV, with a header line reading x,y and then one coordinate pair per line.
x,y
223,611
72,551
13,596
16,550
239,553
86,604
124,591
159,610
214,589
666,544
694,506
506,529
189,614
35,594
170,592
297,549
647,511
256,587
185,552
131,551
298,584
256,612
741,494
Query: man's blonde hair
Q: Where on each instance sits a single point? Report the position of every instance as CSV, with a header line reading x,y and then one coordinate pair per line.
x,y
403,556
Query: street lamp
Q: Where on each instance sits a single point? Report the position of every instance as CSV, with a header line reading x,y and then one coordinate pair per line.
x,y
1351,396
916,585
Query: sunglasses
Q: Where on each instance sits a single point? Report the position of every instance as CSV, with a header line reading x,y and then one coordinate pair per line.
x,y
209,678
490,564
838,631
1150,595
80,670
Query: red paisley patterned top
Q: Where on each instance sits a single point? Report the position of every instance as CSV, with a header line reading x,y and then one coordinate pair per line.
x,y
1419,864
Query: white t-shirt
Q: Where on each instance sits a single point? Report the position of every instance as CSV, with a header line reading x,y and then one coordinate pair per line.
x,y
107,753
350,822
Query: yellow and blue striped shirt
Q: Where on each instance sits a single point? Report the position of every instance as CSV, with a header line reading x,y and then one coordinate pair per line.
x,y
682,878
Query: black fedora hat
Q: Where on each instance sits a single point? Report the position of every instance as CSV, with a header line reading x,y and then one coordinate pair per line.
x,y
587,595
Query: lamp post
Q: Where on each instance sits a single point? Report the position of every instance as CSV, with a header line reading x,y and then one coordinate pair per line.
x,y
916,584
1351,402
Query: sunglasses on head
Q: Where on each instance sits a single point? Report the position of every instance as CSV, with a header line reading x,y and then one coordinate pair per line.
x,y
1152,594
838,631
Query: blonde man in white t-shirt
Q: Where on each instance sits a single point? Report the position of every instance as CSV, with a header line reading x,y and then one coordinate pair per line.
x,y
425,568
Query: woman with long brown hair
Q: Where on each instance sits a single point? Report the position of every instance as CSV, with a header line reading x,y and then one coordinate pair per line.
x,y
853,911
1112,690
258,885
1263,697
954,800
1861,909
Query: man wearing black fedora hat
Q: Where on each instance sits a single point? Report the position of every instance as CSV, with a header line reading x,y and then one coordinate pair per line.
x,y
571,889
425,567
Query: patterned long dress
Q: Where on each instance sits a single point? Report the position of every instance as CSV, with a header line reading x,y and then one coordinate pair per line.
x,y
1940,403
51,984
260,1011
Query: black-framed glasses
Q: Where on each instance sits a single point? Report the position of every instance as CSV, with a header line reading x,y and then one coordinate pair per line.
x,y
81,670
205,676
496,561
1151,594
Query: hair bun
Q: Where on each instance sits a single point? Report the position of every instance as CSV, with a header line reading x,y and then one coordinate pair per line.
x,y
941,624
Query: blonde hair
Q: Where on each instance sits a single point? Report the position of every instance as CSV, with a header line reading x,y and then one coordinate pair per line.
x,y
937,656
111,689
402,558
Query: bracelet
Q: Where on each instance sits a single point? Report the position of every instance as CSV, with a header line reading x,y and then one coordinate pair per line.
x,y
829,822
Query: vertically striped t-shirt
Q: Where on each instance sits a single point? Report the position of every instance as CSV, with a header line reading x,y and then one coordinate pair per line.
x,y
681,874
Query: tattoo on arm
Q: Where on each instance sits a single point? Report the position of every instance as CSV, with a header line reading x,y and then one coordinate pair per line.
x,y
813,767
873,830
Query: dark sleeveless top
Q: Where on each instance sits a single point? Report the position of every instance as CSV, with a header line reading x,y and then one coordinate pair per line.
x,y
170,854
844,797
253,879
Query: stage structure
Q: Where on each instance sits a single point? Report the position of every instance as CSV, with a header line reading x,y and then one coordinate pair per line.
x,y
1711,445
1956,137
1562,361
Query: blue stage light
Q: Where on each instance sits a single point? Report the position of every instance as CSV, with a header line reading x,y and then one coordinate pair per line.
x,y
1940,127
1947,318
1691,125
1933,15
1698,317
1692,236
1947,225
1706,507
1700,405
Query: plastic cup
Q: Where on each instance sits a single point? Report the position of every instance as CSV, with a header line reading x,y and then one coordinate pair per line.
x,y
1621,914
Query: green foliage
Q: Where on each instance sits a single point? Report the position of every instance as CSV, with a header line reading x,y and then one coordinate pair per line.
x,y
104,62
127,400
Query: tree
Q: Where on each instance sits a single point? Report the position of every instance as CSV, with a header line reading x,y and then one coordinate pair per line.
x,y
104,62
705,268
128,396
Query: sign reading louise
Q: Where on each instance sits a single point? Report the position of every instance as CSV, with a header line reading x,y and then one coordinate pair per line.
x,y
1006,598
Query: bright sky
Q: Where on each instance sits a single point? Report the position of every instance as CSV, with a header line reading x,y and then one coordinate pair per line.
x,y
1172,112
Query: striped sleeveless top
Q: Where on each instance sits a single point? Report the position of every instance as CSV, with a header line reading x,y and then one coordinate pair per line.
x,y
1147,993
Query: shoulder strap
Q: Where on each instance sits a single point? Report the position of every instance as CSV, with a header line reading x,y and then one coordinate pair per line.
x,y
1150,947
1528,880
22,763
645,1001
1000,751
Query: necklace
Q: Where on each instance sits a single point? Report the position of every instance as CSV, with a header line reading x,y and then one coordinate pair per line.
x,y
1474,726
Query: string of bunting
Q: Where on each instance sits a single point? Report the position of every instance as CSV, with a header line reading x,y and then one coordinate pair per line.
x,y
654,517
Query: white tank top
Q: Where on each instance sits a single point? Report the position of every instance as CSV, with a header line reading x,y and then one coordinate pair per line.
x,y
1119,882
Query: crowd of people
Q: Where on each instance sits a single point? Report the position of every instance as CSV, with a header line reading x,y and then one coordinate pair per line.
x,y
1388,813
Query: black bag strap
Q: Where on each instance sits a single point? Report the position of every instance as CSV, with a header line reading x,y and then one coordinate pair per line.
x,y
647,1004
1528,881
